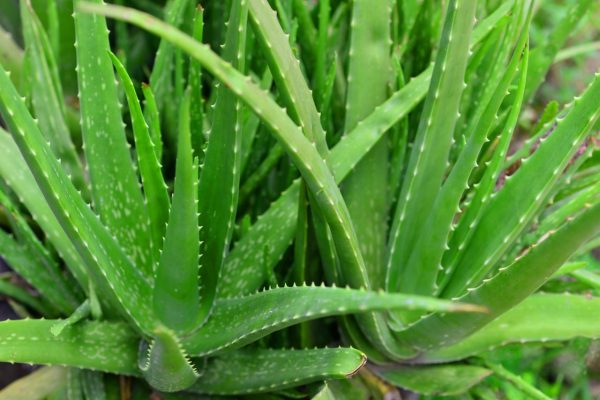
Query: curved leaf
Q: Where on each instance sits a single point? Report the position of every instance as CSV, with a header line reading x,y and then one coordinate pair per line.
x,y
257,370
275,309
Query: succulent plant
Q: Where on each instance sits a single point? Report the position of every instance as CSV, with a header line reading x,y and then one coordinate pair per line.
x,y
375,142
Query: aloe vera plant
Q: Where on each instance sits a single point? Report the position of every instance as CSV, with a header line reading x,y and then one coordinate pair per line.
x,y
289,163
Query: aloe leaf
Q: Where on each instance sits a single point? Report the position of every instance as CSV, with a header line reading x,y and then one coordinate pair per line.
x,y
48,97
427,163
287,72
424,262
37,385
276,309
540,318
161,78
512,208
542,57
276,226
31,260
101,346
92,383
303,154
220,176
165,365
15,171
155,188
24,297
463,232
195,85
440,380
176,296
510,286
104,258
11,56
153,120
115,187
259,370
83,311
365,189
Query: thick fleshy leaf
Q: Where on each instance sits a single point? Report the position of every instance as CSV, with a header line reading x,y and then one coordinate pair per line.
x,y
165,365
102,346
105,260
153,182
366,189
47,98
175,295
275,309
259,370
511,209
246,266
444,380
220,176
115,188
540,318
510,286
427,164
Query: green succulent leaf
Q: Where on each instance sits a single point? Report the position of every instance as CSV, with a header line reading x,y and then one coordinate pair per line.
x,y
47,98
366,189
261,370
511,285
441,380
165,365
155,188
427,164
540,318
24,297
30,259
275,228
513,207
101,346
287,72
176,297
105,260
220,176
15,171
115,188
275,309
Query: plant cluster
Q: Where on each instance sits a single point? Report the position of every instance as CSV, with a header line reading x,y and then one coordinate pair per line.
x,y
289,162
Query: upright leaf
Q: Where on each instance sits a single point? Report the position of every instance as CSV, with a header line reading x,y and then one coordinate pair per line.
x,y
176,295
513,207
220,176
155,188
366,188
115,188
48,97
427,164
